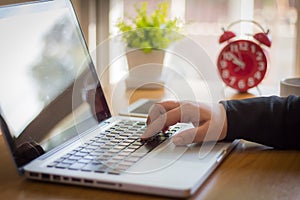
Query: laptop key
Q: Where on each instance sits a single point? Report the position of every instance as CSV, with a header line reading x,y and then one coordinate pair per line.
x,y
84,150
77,166
80,154
124,153
102,169
67,161
122,167
83,160
92,167
52,164
114,171
133,147
74,158
62,165
141,123
130,140
133,159
138,143
90,157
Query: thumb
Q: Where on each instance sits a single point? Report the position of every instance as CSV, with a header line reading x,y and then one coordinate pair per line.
x,y
191,135
185,137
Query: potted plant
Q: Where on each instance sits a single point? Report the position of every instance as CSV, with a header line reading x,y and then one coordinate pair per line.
x,y
147,35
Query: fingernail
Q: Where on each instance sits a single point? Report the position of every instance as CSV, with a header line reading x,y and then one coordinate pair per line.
x,y
178,140
144,135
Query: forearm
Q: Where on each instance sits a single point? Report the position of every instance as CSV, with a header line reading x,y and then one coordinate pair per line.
x,y
272,121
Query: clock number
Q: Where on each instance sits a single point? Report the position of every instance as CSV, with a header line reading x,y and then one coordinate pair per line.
x,y
251,82
261,66
232,80
225,73
244,46
227,56
257,75
223,64
253,48
259,56
241,84
234,48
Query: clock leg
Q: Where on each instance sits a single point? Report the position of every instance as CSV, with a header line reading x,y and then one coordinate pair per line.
x,y
259,91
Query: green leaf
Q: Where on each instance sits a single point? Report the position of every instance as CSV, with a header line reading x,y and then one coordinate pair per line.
x,y
153,31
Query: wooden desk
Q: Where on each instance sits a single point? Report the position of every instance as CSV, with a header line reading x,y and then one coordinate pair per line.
x,y
250,172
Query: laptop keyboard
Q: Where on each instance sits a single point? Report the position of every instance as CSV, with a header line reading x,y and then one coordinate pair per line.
x,y
114,150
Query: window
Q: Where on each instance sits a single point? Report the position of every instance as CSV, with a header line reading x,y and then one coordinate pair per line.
x,y
204,20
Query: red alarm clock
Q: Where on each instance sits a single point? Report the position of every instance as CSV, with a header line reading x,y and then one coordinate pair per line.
x,y
242,63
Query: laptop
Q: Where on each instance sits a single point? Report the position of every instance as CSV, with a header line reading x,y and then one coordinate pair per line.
x,y
57,123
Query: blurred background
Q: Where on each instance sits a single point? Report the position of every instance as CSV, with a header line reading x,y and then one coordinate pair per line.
x,y
203,21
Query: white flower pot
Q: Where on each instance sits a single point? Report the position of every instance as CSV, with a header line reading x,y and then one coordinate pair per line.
x,y
145,69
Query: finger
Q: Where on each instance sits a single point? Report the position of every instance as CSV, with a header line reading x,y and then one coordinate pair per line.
x,y
193,135
165,129
160,108
162,122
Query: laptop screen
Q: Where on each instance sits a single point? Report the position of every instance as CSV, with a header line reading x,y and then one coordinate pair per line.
x,y
49,91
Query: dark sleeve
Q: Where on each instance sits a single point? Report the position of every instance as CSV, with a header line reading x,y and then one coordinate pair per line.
x,y
272,121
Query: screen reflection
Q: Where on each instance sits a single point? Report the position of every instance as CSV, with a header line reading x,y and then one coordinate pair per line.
x,y
48,84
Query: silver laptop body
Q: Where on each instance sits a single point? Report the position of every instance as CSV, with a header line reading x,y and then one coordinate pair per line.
x,y
54,114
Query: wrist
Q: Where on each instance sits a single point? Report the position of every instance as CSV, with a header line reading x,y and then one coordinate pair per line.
x,y
224,117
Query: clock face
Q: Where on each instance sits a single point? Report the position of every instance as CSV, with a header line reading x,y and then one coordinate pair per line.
x,y
242,64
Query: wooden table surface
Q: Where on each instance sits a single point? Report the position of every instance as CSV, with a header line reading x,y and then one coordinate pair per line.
x,y
251,171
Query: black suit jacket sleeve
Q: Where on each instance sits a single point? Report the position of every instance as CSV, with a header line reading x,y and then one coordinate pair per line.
x,y
272,121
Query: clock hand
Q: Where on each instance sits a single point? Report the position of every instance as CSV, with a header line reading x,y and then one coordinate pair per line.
x,y
237,61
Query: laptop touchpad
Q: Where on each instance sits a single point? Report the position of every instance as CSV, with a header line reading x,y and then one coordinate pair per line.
x,y
161,157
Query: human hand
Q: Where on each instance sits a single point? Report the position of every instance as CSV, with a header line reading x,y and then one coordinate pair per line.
x,y
209,121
